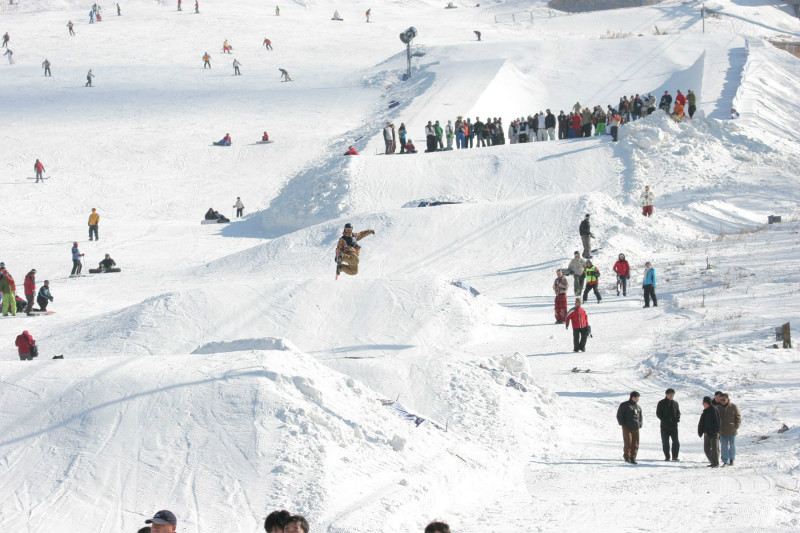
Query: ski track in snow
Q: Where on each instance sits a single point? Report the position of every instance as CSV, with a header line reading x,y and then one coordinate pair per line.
x,y
224,373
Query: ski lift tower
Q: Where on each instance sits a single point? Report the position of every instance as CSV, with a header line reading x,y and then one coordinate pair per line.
x,y
407,37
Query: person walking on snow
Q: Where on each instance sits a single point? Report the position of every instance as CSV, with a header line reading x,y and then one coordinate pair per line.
x,y
580,326
25,344
76,260
6,38
70,27
623,271
94,221
196,6
647,199
206,61
560,287
708,430
649,285
46,67
119,10
691,99
91,16
38,167
592,281
8,288
89,77
629,416
585,232
669,413
267,44
236,66
44,297
179,5
729,419
577,267
239,206
10,55
30,290
348,250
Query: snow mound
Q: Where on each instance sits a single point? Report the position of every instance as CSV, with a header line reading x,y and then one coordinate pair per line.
x,y
242,345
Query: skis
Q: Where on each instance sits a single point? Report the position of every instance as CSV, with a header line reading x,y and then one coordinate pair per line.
x,y
338,264
577,370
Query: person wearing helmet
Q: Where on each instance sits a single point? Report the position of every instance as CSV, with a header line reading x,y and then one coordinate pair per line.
x,y
347,250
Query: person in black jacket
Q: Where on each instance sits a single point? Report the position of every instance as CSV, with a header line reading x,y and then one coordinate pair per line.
x,y
585,231
669,413
629,416
478,127
708,428
550,124
563,126
666,102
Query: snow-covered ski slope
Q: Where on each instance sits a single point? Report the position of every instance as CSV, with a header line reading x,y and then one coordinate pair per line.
x,y
224,373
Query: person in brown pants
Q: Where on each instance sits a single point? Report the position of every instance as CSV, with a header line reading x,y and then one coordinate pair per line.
x,y
347,249
629,416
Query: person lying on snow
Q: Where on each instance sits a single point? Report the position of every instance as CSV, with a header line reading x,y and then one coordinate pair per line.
x,y
351,151
225,141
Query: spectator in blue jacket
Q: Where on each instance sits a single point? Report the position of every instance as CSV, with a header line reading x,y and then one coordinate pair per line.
x,y
44,297
649,285
76,260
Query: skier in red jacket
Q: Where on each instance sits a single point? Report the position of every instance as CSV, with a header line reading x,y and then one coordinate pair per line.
x,y
623,270
580,326
24,343
38,167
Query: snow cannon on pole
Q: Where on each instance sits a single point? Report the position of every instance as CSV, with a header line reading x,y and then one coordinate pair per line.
x,y
408,36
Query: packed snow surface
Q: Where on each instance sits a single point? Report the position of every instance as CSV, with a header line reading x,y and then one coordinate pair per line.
x,y
224,373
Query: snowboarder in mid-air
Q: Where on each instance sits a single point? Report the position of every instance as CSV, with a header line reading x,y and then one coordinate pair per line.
x,y
347,250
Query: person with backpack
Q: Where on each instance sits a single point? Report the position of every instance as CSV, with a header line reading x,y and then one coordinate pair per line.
x,y
623,271
44,296
348,250
592,280
649,285
560,287
26,346
580,326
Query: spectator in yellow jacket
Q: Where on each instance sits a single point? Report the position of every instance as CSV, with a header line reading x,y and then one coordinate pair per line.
x,y
94,221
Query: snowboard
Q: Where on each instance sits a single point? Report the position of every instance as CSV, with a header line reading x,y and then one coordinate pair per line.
x,y
264,142
47,178
219,144
35,312
77,275
101,271
338,263
214,221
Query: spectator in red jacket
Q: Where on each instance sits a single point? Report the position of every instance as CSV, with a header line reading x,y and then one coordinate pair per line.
x,y
38,167
351,151
623,270
681,98
30,290
580,326
24,343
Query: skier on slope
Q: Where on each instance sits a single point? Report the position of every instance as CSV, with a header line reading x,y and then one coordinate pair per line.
x,y
347,250
76,260
70,27
38,167
267,44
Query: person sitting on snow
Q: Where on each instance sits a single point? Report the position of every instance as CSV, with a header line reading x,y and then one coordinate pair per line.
x,y
351,151
225,141
211,214
265,137
336,15
107,263
410,148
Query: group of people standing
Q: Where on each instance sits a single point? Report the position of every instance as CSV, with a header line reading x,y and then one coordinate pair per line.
x,y
718,426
